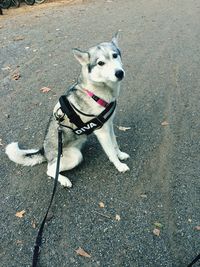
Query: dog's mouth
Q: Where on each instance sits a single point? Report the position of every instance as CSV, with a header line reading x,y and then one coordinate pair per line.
x,y
119,74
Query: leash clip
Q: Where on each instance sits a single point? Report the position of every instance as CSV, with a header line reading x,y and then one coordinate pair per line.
x,y
58,116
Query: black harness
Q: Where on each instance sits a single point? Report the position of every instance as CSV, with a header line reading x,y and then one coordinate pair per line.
x,y
84,128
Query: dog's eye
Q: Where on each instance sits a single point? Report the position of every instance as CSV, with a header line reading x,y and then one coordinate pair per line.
x,y
101,63
115,55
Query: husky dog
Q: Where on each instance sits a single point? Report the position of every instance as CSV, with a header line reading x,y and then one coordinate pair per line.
x,y
101,74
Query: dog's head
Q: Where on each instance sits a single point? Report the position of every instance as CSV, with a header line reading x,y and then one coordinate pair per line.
x,y
102,63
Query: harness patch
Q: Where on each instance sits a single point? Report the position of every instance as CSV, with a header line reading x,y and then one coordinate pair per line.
x,y
85,128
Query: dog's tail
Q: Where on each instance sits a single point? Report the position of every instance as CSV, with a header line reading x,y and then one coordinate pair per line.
x,y
28,157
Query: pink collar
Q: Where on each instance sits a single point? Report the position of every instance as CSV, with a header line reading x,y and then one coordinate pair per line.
x,y
100,101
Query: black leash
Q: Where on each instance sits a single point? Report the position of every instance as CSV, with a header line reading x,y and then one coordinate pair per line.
x,y
194,261
38,242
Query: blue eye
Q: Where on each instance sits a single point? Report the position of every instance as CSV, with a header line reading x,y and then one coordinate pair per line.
x,y
115,55
101,63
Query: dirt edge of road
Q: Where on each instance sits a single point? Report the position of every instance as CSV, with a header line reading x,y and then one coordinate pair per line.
x,y
24,8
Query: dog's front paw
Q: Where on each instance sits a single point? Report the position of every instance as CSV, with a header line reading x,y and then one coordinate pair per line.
x,y
122,167
123,155
64,181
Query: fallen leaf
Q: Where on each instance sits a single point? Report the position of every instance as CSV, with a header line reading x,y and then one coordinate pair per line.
x,y
117,217
33,223
124,129
143,195
197,227
1,144
159,225
101,205
82,253
45,89
156,232
165,123
16,76
19,242
18,38
20,214
6,68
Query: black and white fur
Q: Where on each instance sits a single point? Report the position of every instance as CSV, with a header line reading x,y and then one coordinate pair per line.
x,y
101,73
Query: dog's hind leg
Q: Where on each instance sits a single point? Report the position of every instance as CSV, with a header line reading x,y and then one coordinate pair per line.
x,y
71,158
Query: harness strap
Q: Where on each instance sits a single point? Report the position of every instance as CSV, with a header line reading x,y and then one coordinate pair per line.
x,y
69,111
97,122
88,127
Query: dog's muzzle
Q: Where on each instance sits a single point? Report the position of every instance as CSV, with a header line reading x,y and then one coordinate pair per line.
x,y
119,74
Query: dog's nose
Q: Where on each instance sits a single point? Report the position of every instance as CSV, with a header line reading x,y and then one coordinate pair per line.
x,y
119,74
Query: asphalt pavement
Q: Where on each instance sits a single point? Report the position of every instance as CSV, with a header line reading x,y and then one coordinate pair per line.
x,y
150,216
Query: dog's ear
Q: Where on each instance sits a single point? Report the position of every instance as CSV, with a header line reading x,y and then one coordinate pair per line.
x,y
115,39
82,57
